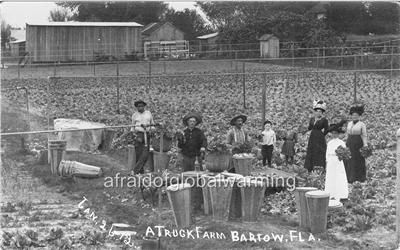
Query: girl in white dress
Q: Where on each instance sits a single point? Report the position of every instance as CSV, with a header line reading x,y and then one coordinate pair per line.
x,y
336,179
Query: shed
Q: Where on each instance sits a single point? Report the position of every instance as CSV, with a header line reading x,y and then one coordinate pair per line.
x,y
17,48
208,43
82,41
269,46
164,40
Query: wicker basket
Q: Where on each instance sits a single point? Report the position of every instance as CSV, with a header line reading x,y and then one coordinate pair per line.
x,y
218,162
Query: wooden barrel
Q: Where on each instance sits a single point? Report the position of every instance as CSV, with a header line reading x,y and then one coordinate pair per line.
x,y
317,202
193,178
108,137
242,165
74,168
235,209
301,205
161,161
221,194
252,192
217,162
57,154
206,192
179,197
150,243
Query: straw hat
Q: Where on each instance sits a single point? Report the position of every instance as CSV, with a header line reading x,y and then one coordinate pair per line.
x,y
140,102
233,121
318,104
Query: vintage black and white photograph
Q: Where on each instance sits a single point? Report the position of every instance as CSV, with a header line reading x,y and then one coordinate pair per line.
x,y
200,125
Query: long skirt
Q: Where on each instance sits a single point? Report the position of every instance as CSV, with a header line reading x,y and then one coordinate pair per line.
x,y
355,167
336,180
288,148
316,150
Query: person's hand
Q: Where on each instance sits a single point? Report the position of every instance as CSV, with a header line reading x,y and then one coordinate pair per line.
x,y
203,150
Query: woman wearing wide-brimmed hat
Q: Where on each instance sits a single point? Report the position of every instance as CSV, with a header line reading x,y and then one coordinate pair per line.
x,y
356,139
316,148
192,142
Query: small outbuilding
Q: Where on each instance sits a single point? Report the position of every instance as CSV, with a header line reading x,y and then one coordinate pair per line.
x,y
269,46
17,48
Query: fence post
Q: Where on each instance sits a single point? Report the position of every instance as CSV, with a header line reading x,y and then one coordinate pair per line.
x,y
264,91
149,73
244,85
341,58
391,63
292,50
48,118
118,111
362,58
355,61
398,189
55,69
117,68
165,67
355,87
323,57
237,72
94,68
317,59
19,73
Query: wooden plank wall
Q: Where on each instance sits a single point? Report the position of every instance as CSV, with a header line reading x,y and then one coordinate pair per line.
x,y
80,43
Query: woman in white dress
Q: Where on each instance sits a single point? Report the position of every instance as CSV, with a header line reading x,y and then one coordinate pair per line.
x,y
336,179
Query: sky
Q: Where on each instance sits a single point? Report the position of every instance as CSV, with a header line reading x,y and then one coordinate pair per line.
x,y
18,13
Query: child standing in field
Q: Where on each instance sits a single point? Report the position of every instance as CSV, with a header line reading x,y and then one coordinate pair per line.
x,y
290,140
336,179
268,142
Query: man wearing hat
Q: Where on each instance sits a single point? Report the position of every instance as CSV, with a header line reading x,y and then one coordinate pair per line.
x,y
237,135
192,142
141,121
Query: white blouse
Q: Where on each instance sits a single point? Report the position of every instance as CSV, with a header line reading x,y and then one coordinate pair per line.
x,y
358,129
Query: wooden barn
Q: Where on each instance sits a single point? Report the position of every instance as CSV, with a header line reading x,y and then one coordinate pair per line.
x,y
82,41
164,40
269,46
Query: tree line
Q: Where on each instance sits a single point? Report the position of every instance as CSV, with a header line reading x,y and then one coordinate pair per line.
x,y
245,22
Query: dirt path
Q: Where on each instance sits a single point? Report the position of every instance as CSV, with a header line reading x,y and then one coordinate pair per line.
x,y
32,213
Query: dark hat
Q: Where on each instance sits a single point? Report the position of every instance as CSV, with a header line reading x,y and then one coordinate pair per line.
x,y
337,127
140,102
267,121
233,121
192,115
359,109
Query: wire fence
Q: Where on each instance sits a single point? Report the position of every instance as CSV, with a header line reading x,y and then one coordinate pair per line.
x,y
163,67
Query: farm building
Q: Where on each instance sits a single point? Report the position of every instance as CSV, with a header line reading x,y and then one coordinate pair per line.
x,y
82,41
164,40
17,48
269,46
208,43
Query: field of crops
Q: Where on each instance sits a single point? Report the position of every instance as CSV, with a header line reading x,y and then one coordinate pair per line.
x,y
368,219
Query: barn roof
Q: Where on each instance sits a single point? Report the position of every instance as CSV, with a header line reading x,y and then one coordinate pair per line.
x,y
208,36
108,24
266,37
151,27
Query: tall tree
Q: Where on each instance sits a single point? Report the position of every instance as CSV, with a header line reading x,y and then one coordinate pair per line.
x,y
189,21
60,15
384,17
141,12
5,33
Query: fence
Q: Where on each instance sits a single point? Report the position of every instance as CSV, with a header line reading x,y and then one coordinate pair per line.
x,y
162,67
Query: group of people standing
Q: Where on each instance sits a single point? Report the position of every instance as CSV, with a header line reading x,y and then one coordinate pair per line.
x,y
321,154
192,144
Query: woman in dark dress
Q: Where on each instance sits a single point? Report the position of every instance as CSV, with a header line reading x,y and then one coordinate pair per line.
x,y
356,139
316,148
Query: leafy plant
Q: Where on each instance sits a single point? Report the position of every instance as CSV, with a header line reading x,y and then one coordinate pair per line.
x,y
218,145
366,151
343,153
